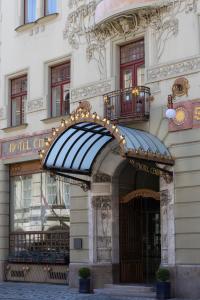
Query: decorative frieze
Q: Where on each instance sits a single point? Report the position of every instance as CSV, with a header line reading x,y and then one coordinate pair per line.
x,y
175,69
103,225
93,90
35,105
101,177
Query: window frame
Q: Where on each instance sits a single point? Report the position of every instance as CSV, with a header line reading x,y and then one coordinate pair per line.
x,y
18,95
26,21
59,84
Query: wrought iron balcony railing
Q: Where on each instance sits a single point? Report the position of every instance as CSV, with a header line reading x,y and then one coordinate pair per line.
x,y
39,247
131,104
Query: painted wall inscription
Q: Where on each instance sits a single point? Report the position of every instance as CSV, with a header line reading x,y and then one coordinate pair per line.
x,y
21,146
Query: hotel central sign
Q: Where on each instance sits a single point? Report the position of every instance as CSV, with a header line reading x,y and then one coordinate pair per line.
x,y
22,146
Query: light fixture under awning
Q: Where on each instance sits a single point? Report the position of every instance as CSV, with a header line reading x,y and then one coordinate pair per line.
x,y
74,147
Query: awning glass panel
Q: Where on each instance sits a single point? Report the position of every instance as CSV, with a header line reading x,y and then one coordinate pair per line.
x,y
76,149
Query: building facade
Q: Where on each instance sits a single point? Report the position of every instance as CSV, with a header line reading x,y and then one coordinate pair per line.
x,y
115,185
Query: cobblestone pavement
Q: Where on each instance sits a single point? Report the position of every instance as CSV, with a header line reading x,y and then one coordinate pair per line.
x,y
33,291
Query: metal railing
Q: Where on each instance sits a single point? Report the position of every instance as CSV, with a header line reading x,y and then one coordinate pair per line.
x,y
132,103
39,247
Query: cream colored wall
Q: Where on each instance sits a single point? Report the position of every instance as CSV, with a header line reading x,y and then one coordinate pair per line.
x,y
79,224
34,49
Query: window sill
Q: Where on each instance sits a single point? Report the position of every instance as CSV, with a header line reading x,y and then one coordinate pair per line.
x,y
54,119
26,26
39,21
14,128
46,18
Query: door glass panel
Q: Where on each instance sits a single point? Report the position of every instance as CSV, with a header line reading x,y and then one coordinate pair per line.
x,y
127,78
140,75
127,83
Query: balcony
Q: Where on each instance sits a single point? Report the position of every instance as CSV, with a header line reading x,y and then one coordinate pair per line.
x,y
128,105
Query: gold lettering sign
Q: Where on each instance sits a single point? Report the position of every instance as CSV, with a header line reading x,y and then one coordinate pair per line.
x,y
145,167
20,146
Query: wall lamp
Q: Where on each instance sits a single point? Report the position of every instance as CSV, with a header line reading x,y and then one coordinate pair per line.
x,y
170,112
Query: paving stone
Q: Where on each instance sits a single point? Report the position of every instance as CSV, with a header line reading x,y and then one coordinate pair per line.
x,y
33,291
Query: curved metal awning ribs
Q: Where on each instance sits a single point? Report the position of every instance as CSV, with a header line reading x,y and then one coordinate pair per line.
x,y
75,145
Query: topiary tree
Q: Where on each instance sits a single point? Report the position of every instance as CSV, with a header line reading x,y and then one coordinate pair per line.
x,y
163,274
84,273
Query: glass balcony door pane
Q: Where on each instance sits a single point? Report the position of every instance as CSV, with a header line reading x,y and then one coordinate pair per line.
x,y
126,85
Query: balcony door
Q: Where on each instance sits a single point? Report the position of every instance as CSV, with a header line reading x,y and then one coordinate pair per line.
x,y
131,76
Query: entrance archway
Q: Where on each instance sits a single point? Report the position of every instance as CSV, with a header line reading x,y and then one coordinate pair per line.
x,y
139,226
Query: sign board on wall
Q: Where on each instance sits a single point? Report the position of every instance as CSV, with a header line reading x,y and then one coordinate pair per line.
x,y
187,115
22,145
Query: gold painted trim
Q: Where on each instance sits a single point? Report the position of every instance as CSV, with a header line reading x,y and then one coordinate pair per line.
x,y
83,114
140,193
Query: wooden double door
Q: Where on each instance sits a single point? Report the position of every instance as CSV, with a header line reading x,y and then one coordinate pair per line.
x,y
140,250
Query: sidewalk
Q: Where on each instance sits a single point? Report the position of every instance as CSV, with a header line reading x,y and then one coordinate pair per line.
x,y
34,291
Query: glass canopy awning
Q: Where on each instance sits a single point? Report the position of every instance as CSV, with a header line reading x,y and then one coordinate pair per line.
x,y
74,146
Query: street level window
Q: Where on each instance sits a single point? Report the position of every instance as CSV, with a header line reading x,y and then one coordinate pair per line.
x,y
18,98
50,7
60,90
30,10
39,218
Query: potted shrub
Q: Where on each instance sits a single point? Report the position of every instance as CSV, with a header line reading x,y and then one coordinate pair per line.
x,y
163,284
84,280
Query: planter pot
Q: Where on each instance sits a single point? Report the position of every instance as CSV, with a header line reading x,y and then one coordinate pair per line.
x,y
163,290
84,285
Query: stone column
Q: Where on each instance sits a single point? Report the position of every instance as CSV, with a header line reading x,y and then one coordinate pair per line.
x,y
102,229
4,217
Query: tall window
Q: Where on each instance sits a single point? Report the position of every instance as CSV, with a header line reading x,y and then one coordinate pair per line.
x,y
132,75
18,98
50,7
29,11
60,93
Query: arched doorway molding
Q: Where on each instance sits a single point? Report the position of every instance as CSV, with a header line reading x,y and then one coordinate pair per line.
x,y
105,203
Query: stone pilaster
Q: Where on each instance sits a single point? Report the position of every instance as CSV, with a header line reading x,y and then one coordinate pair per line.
x,y
4,217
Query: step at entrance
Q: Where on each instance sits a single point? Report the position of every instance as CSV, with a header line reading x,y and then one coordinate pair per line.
x,y
127,290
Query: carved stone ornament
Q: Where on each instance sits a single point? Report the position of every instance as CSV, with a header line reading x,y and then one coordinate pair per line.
x,y
162,18
180,87
186,66
92,90
102,202
35,105
83,108
164,197
102,177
